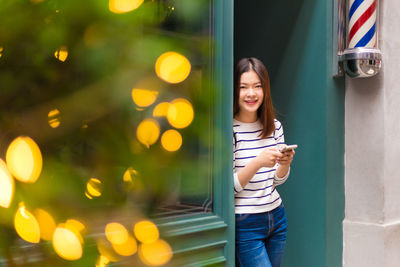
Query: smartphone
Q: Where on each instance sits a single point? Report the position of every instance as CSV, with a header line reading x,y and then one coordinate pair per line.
x,y
285,148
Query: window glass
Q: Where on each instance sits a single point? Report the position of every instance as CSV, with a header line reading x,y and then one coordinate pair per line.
x,y
105,126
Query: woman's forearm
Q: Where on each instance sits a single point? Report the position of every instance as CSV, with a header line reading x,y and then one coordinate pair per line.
x,y
245,174
282,170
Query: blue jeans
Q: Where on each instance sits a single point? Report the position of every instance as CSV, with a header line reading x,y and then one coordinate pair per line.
x,y
261,238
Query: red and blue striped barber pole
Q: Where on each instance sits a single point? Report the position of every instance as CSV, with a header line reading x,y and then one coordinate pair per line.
x,y
362,57
362,23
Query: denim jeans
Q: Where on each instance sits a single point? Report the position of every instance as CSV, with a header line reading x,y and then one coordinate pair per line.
x,y
261,238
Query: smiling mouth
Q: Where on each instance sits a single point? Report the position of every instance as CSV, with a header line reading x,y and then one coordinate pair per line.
x,y
251,102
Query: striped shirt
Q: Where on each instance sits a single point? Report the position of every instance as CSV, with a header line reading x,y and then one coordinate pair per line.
x,y
260,194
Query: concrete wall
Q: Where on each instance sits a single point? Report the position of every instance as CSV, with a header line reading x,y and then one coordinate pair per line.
x,y
372,175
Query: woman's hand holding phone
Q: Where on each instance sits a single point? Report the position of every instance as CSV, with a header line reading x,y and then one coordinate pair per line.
x,y
269,157
288,154
284,148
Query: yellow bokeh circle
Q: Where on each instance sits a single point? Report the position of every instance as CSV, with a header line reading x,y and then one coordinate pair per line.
x,y
47,224
61,54
123,6
129,175
116,233
180,113
171,140
54,118
105,248
102,261
24,159
172,67
155,254
146,231
131,180
26,225
67,243
128,248
75,226
148,132
161,110
143,97
94,188
6,185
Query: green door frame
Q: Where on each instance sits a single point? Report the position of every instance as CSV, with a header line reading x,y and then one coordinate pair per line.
x,y
208,239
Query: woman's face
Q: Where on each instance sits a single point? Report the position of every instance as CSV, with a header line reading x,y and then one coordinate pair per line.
x,y
251,94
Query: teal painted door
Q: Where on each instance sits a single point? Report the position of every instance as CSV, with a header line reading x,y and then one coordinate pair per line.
x,y
294,40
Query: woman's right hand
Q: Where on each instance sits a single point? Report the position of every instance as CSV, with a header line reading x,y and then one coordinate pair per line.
x,y
268,157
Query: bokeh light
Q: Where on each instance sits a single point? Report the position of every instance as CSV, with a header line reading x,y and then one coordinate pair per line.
x,y
155,254
6,185
131,180
161,110
116,233
171,140
24,159
88,195
146,232
148,132
144,97
180,113
129,175
106,249
26,225
47,224
61,54
123,6
76,225
54,118
74,228
67,243
1,51
102,261
128,248
172,67
94,188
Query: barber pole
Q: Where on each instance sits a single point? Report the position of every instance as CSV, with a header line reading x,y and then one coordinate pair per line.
x,y
362,23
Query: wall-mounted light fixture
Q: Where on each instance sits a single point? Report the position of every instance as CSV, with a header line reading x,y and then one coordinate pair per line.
x,y
357,37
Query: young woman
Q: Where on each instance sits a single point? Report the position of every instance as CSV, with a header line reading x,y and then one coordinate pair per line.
x,y
258,168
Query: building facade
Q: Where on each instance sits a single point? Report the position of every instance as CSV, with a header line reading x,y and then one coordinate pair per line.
x,y
90,91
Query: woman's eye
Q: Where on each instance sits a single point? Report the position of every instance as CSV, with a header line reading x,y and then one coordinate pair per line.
x,y
258,86
242,87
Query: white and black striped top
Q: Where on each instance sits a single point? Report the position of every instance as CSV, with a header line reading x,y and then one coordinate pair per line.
x,y
259,195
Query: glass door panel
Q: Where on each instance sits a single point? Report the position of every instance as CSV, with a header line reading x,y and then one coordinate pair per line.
x,y
106,124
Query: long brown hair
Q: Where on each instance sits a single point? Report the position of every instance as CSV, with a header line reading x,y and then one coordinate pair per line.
x,y
265,112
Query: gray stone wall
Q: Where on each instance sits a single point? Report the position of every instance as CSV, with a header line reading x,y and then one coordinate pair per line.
x,y
371,229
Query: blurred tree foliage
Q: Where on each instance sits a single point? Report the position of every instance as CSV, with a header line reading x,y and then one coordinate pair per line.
x,y
108,55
